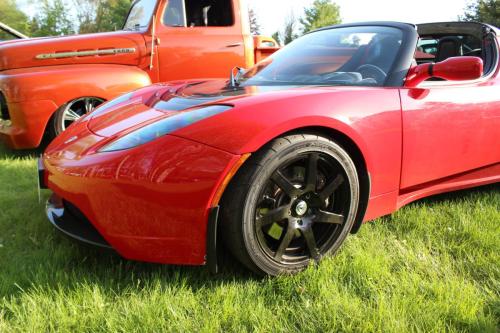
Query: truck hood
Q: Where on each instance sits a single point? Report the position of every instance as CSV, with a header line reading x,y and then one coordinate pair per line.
x,y
121,47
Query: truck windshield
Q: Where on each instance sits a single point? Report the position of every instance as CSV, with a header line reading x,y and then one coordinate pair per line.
x,y
140,15
361,56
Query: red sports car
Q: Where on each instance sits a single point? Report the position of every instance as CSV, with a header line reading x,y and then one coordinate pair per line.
x,y
284,160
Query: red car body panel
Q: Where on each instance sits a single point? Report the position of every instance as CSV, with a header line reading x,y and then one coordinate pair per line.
x,y
152,202
140,225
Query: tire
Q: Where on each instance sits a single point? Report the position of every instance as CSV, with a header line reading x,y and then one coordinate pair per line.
x,y
277,217
71,111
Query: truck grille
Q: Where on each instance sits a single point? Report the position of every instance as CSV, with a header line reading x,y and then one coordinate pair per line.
x,y
4,110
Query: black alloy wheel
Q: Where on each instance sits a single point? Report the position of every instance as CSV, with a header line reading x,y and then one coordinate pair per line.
x,y
292,204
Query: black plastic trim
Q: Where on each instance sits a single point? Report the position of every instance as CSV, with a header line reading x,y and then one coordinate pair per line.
x,y
431,70
71,222
41,175
213,221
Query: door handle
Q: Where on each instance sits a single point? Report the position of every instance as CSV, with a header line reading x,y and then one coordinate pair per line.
x,y
235,44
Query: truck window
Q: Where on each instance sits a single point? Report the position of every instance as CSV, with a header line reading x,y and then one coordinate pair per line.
x,y
196,13
175,14
140,15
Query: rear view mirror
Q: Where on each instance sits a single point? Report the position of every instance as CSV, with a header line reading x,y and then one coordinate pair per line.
x,y
451,69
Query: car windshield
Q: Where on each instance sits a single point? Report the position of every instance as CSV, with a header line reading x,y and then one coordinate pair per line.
x,y
140,15
362,56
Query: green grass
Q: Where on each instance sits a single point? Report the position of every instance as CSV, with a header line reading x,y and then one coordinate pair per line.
x,y
433,266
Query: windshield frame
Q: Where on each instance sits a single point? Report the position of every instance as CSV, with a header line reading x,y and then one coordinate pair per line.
x,y
147,27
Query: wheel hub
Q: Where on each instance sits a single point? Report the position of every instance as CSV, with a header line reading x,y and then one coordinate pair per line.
x,y
301,208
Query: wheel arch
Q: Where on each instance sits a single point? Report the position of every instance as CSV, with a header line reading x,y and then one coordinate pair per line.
x,y
346,142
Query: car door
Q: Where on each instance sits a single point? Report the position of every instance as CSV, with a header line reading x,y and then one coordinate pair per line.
x,y
449,128
199,39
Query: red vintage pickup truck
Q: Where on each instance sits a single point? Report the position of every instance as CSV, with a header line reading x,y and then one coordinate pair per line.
x,y
47,83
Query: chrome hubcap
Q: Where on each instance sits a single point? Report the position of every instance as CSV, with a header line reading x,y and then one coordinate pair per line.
x,y
74,110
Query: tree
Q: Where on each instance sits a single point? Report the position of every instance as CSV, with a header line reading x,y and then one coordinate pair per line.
x,y
322,13
11,15
53,19
486,11
289,32
276,36
101,15
254,22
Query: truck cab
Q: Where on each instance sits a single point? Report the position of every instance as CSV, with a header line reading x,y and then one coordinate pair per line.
x,y
47,83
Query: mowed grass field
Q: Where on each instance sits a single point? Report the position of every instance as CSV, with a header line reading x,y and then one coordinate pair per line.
x,y
434,266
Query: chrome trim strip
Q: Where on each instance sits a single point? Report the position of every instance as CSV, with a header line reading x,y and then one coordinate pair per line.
x,y
84,53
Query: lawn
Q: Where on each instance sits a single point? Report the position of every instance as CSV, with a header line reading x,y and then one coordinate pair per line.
x,y
432,266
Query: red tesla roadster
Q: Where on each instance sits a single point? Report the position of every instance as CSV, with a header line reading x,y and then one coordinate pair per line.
x,y
280,163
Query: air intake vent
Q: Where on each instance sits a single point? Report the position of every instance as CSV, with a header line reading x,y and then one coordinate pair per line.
x,y
4,110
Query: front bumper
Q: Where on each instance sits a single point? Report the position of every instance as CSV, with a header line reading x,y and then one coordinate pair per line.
x,y
70,221
152,203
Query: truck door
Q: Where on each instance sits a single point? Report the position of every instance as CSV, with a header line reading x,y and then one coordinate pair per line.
x,y
199,39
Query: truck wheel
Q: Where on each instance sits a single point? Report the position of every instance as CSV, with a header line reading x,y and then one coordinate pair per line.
x,y
70,112
292,203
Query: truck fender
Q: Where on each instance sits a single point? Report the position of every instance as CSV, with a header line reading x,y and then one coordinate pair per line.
x,y
54,86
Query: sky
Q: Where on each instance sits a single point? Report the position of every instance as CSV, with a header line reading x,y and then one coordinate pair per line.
x,y
272,13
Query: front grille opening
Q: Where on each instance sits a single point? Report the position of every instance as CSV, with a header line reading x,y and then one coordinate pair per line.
x,y
76,224
4,109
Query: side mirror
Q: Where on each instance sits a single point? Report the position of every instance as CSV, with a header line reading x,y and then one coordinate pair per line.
x,y
451,69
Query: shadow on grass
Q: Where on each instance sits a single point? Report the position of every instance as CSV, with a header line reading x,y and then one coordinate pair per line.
x,y
457,196
6,152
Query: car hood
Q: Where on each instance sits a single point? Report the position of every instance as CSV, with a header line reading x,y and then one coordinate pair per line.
x,y
121,47
168,100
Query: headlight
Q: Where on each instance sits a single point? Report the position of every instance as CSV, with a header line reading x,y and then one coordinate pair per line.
x,y
162,127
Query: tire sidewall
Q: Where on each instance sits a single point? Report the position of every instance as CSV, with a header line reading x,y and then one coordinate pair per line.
x,y
270,164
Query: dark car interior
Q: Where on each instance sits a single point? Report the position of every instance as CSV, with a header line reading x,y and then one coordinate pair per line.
x,y
196,13
440,41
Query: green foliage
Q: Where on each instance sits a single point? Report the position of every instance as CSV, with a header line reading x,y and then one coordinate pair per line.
x,y
322,13
52,19
11,15
276,36
434,266
102,15
485,11
289,32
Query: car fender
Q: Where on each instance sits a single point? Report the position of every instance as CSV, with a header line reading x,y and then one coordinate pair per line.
x,y
374,127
